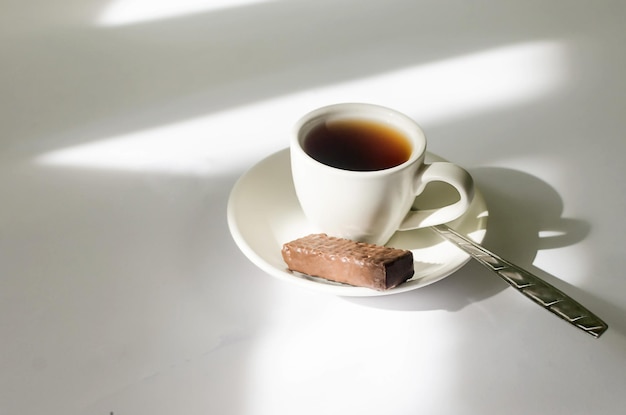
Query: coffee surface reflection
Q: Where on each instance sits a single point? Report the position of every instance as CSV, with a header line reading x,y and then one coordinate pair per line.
x,y
359,145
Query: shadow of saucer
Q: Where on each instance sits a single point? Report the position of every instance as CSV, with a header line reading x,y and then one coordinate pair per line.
x,y
522,209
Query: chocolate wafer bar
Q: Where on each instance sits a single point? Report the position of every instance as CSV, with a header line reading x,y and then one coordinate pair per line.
x,y
349,262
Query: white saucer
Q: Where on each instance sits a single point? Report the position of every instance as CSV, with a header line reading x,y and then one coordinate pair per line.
x,y
264,213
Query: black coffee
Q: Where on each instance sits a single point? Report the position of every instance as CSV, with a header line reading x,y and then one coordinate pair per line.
x,y
359,145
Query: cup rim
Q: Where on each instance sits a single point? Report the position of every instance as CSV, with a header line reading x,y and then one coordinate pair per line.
x,y
352,109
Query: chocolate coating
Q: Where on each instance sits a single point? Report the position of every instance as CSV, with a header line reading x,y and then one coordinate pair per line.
x,y
350,262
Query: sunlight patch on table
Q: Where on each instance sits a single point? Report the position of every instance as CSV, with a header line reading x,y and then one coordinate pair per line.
x,y
233,138
127,12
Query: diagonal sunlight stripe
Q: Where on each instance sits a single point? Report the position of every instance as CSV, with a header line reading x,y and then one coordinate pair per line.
x,y
231,139
126,12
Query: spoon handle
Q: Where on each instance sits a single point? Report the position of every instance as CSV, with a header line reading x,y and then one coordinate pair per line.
x,y
533,287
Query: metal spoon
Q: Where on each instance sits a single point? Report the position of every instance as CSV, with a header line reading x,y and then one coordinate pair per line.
x,y
533,287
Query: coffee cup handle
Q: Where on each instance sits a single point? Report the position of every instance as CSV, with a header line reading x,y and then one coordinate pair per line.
x,y
445,172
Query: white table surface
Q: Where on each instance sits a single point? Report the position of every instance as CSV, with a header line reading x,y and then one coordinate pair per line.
x,y
124,125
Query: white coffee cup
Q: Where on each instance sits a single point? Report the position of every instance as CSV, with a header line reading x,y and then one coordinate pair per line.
x,y
367,202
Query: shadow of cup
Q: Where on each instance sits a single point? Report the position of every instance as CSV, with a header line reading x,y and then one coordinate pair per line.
x,y
524,218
